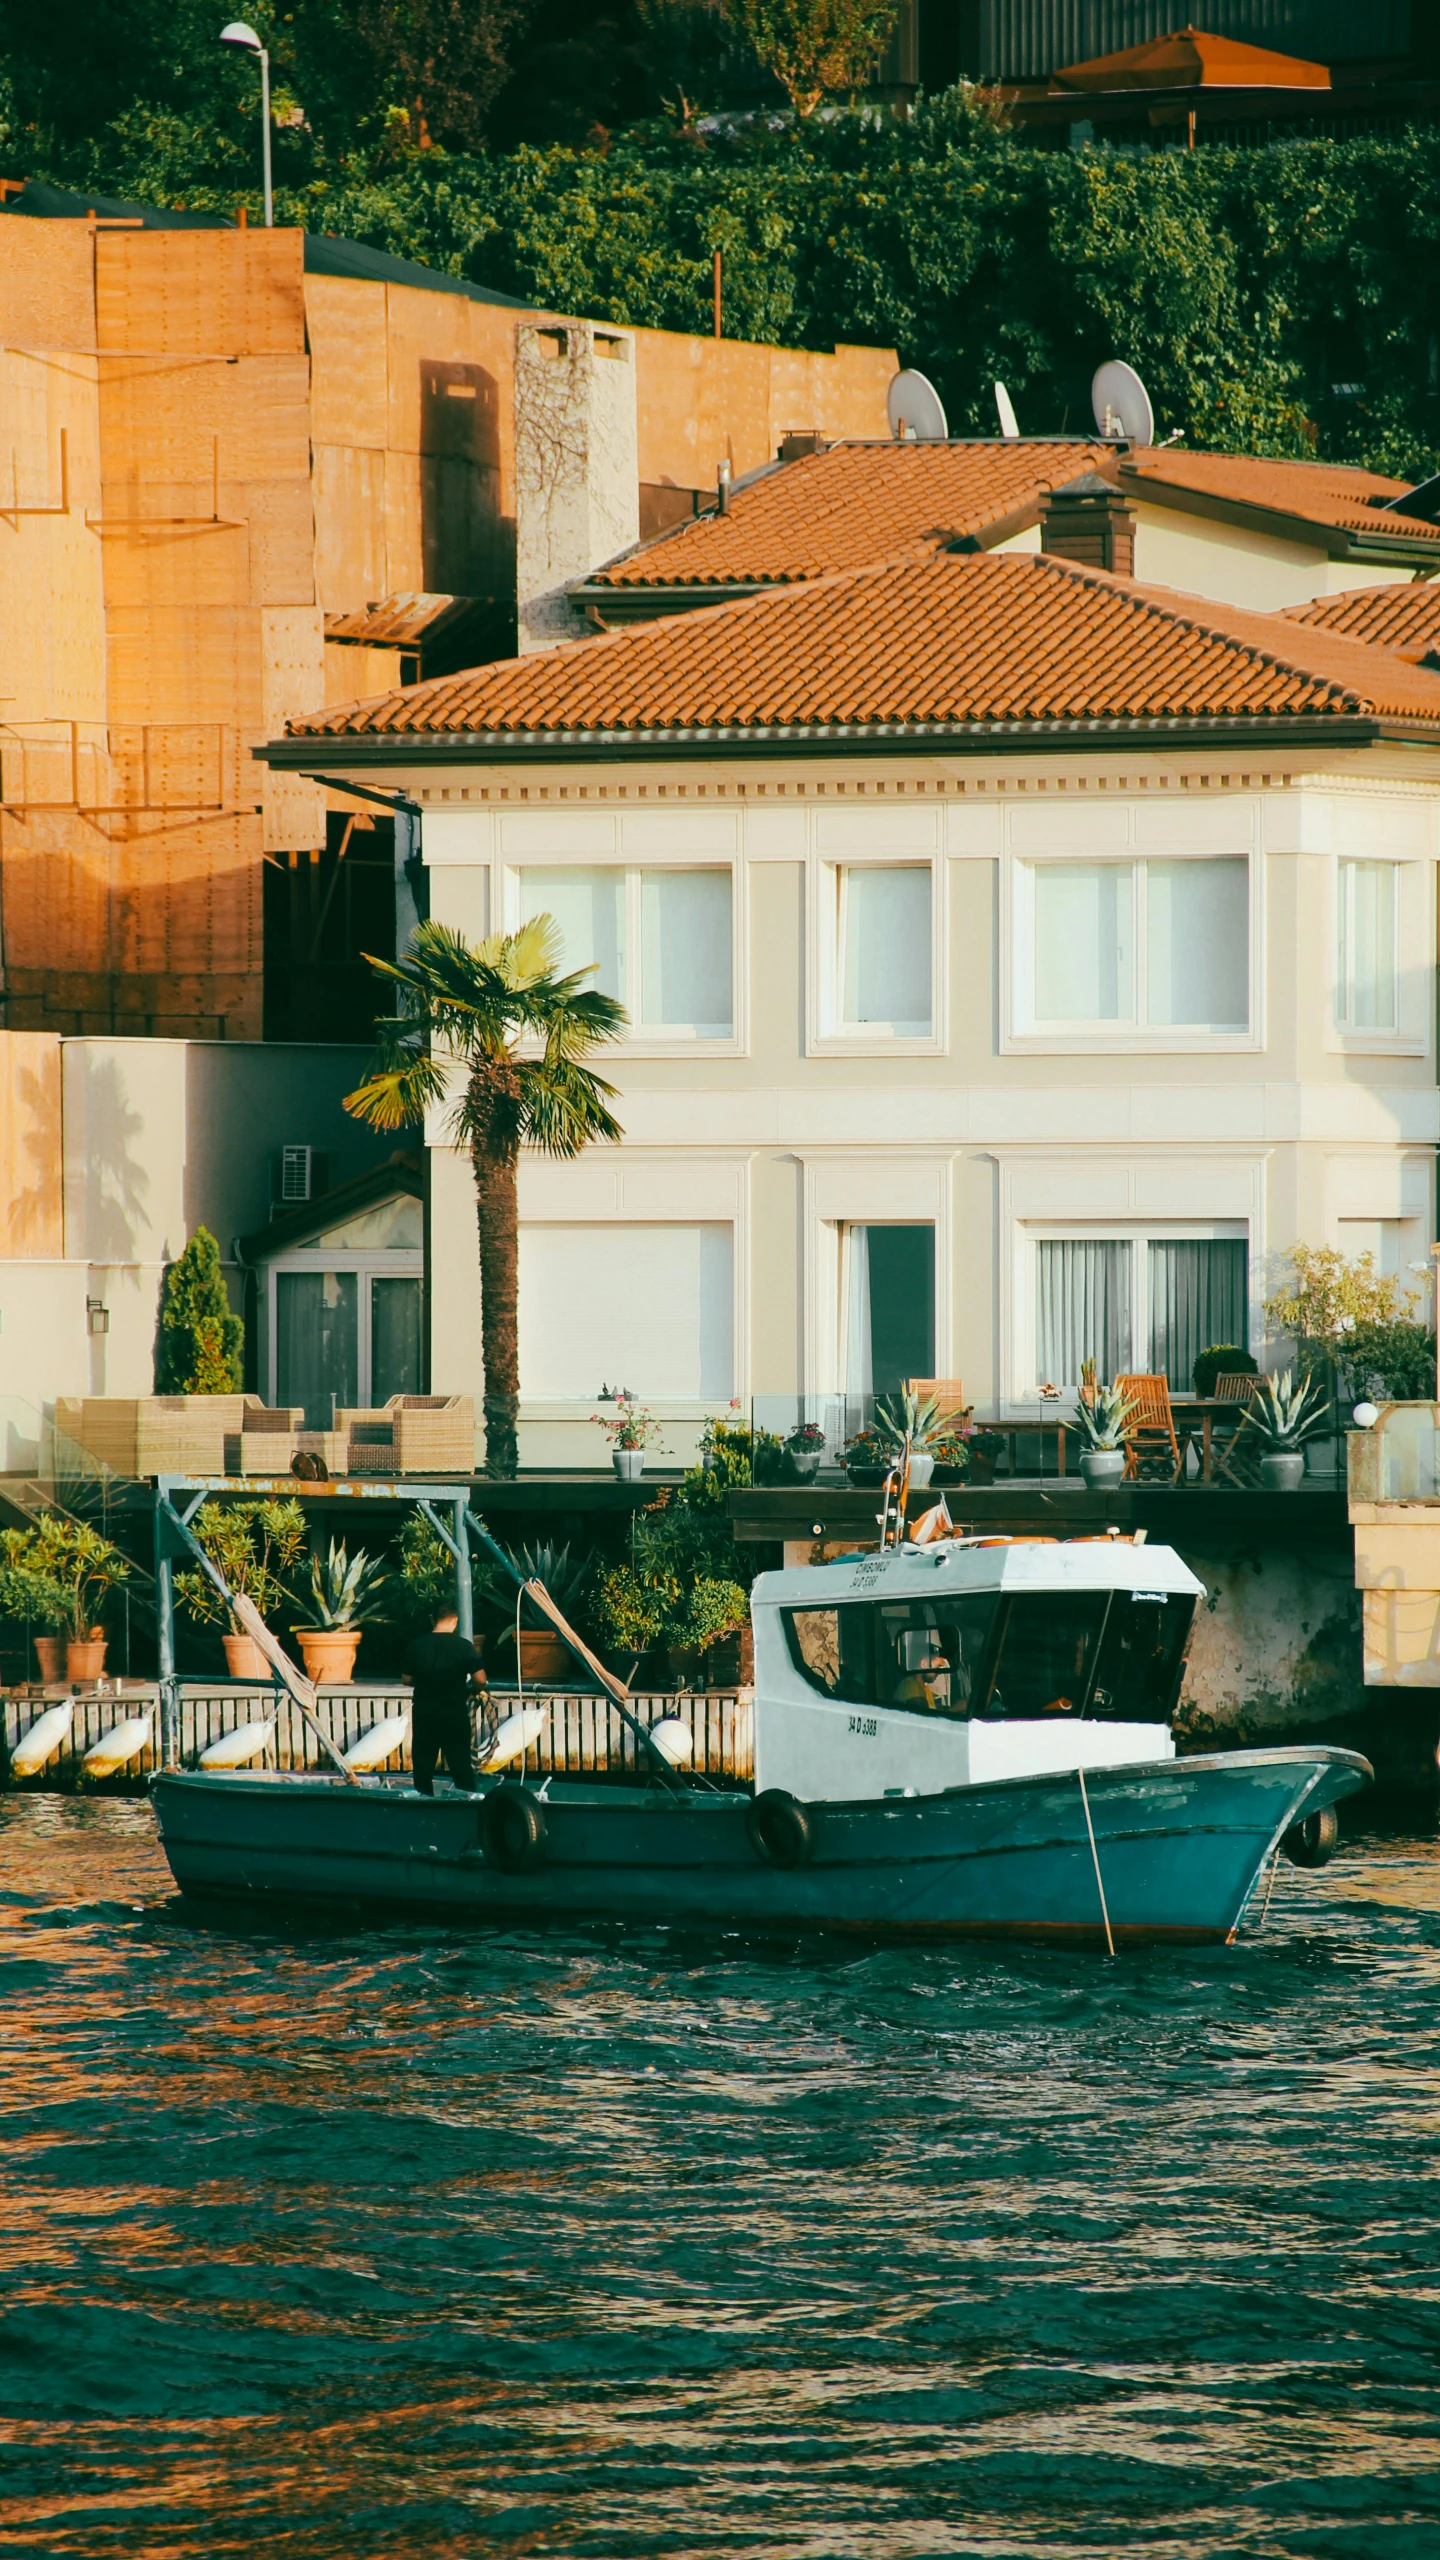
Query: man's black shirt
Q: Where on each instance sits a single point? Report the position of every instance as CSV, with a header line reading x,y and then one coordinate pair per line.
x,y
439,1668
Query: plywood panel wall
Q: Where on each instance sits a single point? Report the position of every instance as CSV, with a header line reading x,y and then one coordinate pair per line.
x,y
218,293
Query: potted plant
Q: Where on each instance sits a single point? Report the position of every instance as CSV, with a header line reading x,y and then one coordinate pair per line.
x,y
1222,1360
986,1447
59,1572
1102,1427
804,1450
951,1453
1281,1419
911,1429
346,1593
544,1655
252,1544
867,1457
630,1432
711,1612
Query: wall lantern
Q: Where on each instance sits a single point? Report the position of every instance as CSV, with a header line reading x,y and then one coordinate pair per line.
x,y
97,1316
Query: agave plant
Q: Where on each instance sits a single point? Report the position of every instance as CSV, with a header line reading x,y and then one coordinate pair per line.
x,y
1282,1416
346,1590
1103,1419
917,1419
564,1577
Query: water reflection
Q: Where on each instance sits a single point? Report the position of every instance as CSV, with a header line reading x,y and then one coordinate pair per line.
x,y
424,2240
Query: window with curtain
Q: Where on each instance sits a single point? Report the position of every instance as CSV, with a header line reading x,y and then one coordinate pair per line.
x,y
686,966
889,1276
1198,1296
1148,945
395,1339
1082,1307
884,943
1367,977
317,1360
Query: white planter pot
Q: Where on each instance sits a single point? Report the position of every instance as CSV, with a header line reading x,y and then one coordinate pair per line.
x,y
1283,1470
922,1468
629,1464
1101,1467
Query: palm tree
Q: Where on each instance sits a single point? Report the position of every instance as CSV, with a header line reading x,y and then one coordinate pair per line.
x,y
520,1032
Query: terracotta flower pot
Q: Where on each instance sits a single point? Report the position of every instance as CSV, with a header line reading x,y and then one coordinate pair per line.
x,y
543,1656
244,1659
85,1660
50,1654
328,1652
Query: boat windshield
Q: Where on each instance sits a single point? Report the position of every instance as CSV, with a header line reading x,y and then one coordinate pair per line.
x,y
1111,1654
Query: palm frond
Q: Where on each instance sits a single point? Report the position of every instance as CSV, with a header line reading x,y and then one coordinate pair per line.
x,y
398,1096
563,1107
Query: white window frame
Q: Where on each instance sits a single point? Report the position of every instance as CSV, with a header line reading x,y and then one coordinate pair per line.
x,y
827,1034
398,1263
1139,1235
653,1039
1020,1033
1409,1037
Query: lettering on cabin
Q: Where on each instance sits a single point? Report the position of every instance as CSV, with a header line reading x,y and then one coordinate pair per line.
x,y
864,1724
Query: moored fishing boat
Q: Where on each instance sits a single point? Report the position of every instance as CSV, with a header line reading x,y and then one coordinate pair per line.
x,y
972,1738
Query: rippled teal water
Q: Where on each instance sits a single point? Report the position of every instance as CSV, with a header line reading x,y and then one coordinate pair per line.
x,y
412,2240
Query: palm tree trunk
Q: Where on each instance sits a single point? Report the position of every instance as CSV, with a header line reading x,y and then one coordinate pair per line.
x,y
496,1206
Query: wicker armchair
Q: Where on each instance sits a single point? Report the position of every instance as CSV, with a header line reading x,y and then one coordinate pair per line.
x,y
411,1436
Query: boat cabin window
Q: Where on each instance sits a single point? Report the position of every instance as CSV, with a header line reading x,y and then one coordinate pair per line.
x,y
927,1655
1116,1655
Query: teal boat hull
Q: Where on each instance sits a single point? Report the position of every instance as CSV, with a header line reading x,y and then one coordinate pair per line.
x,y
1179,1846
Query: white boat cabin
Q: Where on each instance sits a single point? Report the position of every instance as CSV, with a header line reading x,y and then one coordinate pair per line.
x,y
927,1667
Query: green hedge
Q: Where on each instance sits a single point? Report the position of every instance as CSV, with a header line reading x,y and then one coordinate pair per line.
x,y
1244,283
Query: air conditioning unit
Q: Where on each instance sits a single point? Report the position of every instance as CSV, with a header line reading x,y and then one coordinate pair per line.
x,y
297,1176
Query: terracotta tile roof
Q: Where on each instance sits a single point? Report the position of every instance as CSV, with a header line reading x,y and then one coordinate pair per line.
x,y
1404,616
1009,637
852,506
1323,493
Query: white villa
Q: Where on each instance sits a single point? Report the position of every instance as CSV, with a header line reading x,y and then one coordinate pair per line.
x,y
1019,959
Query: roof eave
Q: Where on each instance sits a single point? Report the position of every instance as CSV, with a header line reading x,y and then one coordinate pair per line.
x,y
612,607
975,737
1335,541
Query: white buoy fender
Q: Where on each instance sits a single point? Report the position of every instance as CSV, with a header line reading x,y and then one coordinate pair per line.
x,y
674,1740
233,1750
43,1739
371,1750
117,1748
514,1737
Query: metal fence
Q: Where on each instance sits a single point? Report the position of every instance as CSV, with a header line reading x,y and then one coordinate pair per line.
x,y
583,1735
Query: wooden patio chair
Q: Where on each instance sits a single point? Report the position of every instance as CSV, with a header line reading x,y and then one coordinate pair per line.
x,y
1240,1388
949,1393
1150,1432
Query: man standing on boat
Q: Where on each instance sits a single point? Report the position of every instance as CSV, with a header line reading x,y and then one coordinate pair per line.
x,y
444,1670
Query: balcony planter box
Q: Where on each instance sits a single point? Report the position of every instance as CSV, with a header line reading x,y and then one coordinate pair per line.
x,y
863,1474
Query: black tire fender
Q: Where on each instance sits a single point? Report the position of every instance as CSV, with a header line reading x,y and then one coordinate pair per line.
x,y
781,1831
512,1829
1313,1842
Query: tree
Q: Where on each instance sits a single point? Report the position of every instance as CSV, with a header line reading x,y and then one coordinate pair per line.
x,y
487,1005
200,1347
443,60
815,47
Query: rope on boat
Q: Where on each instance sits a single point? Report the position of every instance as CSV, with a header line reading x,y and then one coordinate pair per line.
x,y
1095,1854
1270,1884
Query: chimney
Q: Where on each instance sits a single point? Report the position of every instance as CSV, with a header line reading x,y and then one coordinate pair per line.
x,y
1089,521
577,474
800,443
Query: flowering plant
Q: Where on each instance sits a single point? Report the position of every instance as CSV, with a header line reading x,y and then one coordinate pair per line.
x,y
806,1435
631,1426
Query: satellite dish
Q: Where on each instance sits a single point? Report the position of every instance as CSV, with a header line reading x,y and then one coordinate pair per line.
x,y
913,408
1122,405
1009,423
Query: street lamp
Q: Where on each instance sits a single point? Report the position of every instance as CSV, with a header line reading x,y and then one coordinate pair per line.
x,y
244,40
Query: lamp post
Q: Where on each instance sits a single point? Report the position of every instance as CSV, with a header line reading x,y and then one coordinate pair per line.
x,y
243,39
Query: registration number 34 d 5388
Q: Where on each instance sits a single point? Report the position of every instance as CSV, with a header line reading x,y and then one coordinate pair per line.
x,y
864,1724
